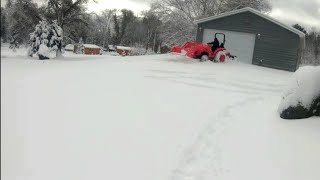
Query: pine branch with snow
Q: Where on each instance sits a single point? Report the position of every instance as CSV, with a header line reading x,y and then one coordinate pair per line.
x,y
56,38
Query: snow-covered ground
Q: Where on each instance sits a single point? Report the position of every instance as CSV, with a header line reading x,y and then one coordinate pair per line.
x,y
159,117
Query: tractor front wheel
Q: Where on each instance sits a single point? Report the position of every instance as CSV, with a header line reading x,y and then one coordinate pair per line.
x,y
204,57
220,57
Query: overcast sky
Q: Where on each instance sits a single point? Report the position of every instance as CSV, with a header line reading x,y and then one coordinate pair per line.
x,y
304,12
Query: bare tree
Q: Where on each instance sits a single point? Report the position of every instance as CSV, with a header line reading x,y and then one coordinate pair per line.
x,y
4,25
116,35
151,24
100,27
178,15
67,11
261,5
106,17
22,16
134,35
311,52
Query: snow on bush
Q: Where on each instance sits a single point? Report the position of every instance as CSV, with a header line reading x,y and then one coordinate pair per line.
x,y
302,90
44,51
69,47
138,51
50,35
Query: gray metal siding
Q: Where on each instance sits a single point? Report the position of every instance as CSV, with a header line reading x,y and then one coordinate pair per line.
x,y
277,47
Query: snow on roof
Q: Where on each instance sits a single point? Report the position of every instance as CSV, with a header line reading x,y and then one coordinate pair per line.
x,y
90,46
301,34
124,47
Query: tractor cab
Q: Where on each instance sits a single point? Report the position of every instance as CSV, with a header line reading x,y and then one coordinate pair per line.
x,y
221,37
217,48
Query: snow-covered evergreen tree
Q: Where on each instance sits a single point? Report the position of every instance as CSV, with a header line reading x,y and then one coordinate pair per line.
x,y
56,37
38,37
46,38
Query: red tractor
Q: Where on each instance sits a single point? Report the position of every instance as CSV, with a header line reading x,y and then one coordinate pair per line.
x,y
203,51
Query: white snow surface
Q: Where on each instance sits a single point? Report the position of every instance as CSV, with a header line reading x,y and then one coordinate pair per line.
x,y
303,88
159,117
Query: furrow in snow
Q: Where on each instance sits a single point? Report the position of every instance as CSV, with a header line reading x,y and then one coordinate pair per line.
x,y
203,158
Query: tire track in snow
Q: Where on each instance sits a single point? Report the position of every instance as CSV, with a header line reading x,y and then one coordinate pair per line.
x,y
237,84
203,159
217,87
212,81
210,76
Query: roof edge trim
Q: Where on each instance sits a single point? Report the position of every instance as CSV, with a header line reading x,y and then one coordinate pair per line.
x,y
248,9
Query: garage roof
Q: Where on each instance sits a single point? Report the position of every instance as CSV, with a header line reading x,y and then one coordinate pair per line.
x,y
301,34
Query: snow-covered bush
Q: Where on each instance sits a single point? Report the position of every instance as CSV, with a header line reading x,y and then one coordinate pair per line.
x,y
46,35
138,51
150,52
43,52
38,37
301,99
69,47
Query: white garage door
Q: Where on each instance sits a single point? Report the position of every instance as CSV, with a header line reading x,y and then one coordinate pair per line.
x,y
239,44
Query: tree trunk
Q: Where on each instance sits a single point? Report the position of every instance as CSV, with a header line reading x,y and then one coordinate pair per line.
x,y
154,43
59,51
159,47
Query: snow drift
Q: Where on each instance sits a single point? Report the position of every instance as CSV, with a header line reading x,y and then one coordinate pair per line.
x,y
301,98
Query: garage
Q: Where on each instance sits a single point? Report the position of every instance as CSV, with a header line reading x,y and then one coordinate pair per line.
x,y
255,38
242,44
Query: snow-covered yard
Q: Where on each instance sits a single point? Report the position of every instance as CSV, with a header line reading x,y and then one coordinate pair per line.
x,y
159,117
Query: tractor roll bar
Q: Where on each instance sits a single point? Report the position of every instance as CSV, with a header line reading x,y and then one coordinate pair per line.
x,y
224,37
